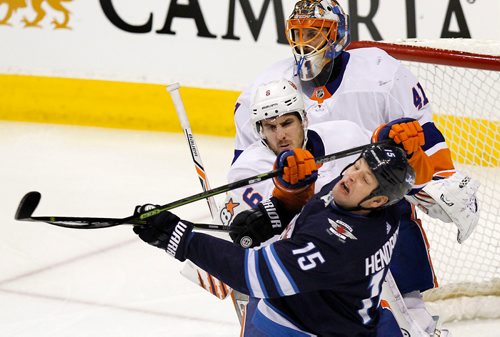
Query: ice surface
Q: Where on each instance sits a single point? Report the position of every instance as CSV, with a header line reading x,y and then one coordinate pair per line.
x,y
62,282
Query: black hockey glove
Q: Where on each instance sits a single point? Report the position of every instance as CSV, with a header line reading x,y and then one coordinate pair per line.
x,y
165,231
252,227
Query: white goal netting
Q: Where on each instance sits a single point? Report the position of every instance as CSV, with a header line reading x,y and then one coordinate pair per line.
x,y
466,105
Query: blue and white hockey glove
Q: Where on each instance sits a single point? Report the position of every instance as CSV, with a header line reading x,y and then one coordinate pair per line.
x,y
165,231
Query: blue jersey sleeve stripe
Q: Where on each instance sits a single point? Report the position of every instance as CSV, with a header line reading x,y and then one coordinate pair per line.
x,y
253,277
272,323
284,282
272,272
433,136
285,271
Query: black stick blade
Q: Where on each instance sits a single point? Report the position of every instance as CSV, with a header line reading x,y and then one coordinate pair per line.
x,y
28,205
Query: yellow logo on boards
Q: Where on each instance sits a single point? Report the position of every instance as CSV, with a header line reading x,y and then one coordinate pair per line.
x,y
38,8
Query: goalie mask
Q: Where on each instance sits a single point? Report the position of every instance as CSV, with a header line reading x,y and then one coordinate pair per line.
x,y
275,99
317,31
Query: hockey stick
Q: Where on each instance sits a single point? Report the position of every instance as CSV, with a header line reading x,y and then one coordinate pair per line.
x,y
190,270
30,201
173,89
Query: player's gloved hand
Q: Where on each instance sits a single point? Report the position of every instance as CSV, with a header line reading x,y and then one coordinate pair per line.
x,y
299,169
295,186
165,231
406,132
252,227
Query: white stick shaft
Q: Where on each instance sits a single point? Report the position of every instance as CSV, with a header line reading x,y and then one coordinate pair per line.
x,y
173,89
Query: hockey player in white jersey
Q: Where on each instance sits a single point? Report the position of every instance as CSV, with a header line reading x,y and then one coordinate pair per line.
x,y
370,88
280,121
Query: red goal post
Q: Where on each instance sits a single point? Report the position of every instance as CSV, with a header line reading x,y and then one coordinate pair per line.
x,y
463,87
455,58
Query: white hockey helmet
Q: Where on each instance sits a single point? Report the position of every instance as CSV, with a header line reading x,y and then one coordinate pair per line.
x,y
275,99
331,36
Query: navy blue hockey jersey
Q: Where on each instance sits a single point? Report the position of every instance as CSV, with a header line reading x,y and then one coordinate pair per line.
x,y
324,277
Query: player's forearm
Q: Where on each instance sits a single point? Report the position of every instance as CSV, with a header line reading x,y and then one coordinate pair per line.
x,y
219,257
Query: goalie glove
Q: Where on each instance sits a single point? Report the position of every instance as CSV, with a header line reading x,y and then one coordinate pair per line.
x,y
428,205
455,201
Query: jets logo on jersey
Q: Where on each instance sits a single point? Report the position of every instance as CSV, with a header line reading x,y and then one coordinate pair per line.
x,y
340,229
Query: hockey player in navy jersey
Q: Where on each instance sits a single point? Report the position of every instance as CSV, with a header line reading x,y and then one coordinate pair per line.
x,y
278,116
372,89
325,274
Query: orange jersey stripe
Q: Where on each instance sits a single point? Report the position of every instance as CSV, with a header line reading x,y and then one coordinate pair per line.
x,y
423,167
427,244
441,160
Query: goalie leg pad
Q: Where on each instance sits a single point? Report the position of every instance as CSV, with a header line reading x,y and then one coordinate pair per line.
x,y
417,310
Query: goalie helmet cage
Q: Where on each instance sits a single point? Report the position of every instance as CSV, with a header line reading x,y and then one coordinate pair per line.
x,y
464,91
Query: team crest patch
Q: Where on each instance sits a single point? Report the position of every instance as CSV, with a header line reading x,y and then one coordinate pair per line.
x,y
226,214
340,229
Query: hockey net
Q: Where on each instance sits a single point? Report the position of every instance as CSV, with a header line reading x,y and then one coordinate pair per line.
x,y
462,82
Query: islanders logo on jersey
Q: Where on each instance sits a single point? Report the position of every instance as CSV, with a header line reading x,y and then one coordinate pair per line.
x,y
340,229
227,213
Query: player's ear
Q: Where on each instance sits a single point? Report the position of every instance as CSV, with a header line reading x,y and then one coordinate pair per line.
x,y
305,121
377,201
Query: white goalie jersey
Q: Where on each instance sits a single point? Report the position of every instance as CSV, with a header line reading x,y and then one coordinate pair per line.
x,y
323,139
373,88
